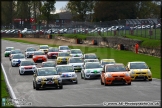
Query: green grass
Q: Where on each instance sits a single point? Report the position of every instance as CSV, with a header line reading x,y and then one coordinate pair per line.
x,y
4,90
119,56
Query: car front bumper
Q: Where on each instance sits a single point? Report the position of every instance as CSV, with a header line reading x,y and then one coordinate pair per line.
x,y
117,80
140,76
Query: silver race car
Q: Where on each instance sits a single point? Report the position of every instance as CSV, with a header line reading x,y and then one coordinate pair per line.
x,y
67,73
76,53
77,63
29,52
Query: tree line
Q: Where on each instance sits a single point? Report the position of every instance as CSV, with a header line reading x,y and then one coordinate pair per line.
x,y
88,10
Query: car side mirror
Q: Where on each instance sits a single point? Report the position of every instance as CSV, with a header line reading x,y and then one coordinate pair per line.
x,y
59,73
127,69
18,64
149,67
103,71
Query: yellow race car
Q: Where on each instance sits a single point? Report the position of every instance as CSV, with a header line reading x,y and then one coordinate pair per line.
x,y
63,57
44,48
139,70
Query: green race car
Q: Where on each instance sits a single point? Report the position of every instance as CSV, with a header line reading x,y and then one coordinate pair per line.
x,y
7,51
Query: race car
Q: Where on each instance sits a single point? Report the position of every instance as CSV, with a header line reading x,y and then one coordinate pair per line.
x,y
47,77
16,59
27,67
115,74
39,56
91,70
44,48
15,51
90,56
107,61
52,53
67,73
63,58
91,60
48,64
139,70
7,51
29,52
64,49
76,53
77,63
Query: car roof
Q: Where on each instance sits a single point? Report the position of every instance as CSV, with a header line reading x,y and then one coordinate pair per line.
x,y
137,62
47,68
114,64
9,47
75,49
39,51
63,65
49,62
92,62
107,59
75,57
27,60
43,45
63,46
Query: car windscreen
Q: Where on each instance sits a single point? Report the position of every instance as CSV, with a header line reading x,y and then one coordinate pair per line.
x,y
138,66
48,65
90,56
75,51
76,60
26,63
63,69
18,57
53,50
43,47
30,49
39,53
9,49
64,48
63,54
111,62
93,65
46,72
115,68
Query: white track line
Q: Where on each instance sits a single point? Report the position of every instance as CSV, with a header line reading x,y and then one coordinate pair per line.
x,y
9,86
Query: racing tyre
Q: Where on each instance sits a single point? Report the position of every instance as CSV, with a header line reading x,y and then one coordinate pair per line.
x,y
37,88
150,79
101,82
12,65
129,83
19,73
84,77
61,86
76,82
33,85
81,76
105,83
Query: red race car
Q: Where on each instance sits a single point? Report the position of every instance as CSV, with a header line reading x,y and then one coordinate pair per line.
x,y
52,53
39,56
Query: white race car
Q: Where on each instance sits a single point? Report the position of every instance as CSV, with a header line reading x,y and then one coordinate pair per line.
x,y
16,59
64,49
107,61
91,60
67,73
29,52
76,53
91,70
27,67
77,63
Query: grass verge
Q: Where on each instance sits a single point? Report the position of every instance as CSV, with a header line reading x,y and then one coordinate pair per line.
x,y
120,56
4,91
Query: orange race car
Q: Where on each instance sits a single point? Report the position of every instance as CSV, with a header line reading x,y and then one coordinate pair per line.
x,y
115,74
39,56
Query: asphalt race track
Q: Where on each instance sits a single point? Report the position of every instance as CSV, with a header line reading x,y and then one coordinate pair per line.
x,y
85,93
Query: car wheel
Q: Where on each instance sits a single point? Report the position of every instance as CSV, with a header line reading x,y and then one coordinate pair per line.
x,y
33,85
129,83
81,76
36,87
19,73
76,82
150,79
61,86
12,65
84,77
101,82
105,82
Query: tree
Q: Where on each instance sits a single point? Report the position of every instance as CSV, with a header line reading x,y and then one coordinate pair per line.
x,y
80,9
46,9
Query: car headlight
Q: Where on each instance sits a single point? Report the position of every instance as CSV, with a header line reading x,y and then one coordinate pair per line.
x,y
109,75
132,72
149,72
74,75
127,74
